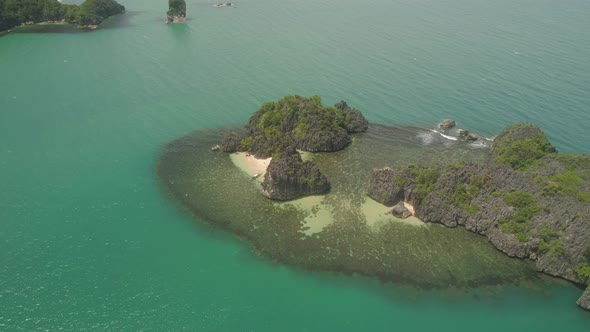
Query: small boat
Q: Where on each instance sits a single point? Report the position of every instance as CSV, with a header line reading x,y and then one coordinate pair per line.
x,y
255,176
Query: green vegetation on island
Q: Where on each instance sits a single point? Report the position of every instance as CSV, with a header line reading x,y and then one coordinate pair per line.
x,y
530,201
91,12
303,123
293,123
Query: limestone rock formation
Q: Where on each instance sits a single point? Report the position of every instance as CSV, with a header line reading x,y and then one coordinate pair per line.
x,y
447,123
176,12
289,177
355,121
527,200
387,185
303,123
231,141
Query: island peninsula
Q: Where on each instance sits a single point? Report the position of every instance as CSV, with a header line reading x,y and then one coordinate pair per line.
x,y
335,212
528,200
88,14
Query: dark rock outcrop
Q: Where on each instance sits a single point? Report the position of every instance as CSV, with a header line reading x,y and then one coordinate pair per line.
x,y
231,142
584,300
400,211
355,122
528,201
289,177
176,12
387,185
447,123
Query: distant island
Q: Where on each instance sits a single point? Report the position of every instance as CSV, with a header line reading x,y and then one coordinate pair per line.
x,y
529,201
88,14
176,12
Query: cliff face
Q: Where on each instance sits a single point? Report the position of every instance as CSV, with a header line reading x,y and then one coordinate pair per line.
x,y
289,177
176,12
529,201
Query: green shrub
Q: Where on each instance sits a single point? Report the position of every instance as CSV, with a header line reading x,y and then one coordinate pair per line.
x,y
583,196
553,247
520,146
526,205
583,271
546,233
522,237
510,226
424,179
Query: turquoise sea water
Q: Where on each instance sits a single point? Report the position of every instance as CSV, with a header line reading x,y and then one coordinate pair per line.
x,y
89,240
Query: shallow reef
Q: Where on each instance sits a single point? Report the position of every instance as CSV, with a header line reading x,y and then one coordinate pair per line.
x,y
344,230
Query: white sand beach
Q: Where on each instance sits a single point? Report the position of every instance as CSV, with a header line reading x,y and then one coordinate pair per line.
x,y
377,214
250,164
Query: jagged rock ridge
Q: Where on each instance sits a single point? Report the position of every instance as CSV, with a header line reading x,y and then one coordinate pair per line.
x,y
529,201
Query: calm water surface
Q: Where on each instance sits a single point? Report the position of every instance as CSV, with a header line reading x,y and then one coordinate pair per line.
x,y
88,240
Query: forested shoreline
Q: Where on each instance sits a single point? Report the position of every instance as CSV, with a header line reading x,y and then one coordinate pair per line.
x,y
91,12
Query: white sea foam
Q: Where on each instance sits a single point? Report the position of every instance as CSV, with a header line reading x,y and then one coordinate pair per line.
x,y
445,136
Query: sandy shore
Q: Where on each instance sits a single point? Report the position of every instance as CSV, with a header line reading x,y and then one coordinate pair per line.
x,y
250,164
377,214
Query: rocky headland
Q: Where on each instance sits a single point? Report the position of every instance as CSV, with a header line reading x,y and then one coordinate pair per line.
x,y
176,11
528,200
279,129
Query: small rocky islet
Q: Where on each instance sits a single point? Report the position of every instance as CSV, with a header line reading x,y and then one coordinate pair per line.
x,y
529,201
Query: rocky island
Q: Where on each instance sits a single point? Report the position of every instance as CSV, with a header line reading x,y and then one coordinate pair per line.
x,y
89,14
176,12
294,123
529,201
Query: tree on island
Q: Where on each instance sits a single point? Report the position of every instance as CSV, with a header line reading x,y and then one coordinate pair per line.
x,y
176,12
90,12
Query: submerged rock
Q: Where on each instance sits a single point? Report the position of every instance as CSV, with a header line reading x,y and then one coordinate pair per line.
x,y
289,177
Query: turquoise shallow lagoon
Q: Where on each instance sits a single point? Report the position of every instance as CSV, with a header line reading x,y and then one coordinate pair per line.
x,y
90,241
